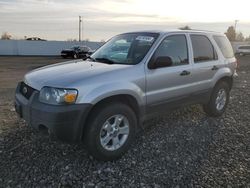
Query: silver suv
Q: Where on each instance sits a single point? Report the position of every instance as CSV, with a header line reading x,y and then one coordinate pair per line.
x,y
104,100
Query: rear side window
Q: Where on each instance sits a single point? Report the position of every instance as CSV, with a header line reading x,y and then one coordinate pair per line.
x,y
203,49
224,46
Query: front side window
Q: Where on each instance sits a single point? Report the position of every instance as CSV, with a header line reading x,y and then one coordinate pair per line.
x,y
175,48
203,49
128,48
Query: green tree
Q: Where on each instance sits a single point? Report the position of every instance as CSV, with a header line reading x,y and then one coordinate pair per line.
x,y
231,34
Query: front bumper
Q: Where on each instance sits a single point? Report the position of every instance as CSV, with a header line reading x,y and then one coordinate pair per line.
x,y
65,121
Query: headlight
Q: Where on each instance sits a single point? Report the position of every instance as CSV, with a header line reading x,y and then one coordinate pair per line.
x,y
51,95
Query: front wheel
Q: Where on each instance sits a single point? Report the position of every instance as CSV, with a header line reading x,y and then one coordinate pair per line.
x,y
218,100
110,131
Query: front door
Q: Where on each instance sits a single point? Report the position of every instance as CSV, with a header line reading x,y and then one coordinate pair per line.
x,y
165,85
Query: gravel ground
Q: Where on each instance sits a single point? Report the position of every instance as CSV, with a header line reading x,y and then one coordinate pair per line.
x,y
182,149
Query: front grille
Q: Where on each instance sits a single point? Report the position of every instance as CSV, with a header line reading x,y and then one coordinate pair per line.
x,y
26,90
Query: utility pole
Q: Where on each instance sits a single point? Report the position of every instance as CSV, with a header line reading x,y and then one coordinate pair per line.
x,y
235,24
80,28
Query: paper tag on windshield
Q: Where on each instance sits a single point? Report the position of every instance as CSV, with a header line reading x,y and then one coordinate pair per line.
x,y
145,38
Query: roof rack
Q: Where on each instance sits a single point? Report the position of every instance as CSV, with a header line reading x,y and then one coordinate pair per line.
x,y
199,30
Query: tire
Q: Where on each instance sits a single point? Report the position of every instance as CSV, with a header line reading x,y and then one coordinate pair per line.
x,y
212,108
99,126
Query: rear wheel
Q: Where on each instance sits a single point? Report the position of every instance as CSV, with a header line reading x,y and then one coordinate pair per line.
x,y
110,131
218,100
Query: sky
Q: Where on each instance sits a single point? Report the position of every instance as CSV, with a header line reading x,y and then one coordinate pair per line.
x,y
102,19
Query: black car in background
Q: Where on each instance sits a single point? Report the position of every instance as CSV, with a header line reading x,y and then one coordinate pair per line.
x,y
76,52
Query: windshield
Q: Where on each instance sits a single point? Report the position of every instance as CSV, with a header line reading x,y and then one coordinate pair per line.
x,y
128,48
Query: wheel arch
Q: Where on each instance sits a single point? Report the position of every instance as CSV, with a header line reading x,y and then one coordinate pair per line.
x,y
227,79
119,98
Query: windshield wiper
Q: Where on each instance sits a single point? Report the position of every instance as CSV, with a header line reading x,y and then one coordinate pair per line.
x,y
105,60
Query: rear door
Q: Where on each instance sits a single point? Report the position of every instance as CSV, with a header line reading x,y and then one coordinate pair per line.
x,y
172,83
205,62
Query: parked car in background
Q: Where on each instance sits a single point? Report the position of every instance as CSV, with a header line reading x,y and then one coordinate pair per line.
x,y
76,52
243,50
132,77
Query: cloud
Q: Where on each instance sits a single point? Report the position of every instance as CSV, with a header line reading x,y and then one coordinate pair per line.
x,y
58,19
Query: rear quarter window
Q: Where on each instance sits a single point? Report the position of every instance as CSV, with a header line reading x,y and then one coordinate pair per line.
x,y
225,46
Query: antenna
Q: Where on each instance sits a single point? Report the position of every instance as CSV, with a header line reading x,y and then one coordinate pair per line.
x,y
80,28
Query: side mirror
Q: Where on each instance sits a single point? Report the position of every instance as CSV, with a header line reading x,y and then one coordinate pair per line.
x,y
162,61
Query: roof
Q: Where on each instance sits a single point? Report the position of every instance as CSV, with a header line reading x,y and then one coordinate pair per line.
x,y
176,31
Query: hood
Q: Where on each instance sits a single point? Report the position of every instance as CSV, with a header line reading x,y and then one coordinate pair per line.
x,y
64,75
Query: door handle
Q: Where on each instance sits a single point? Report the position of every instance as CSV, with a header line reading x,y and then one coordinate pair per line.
x,y
215,68
185,73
